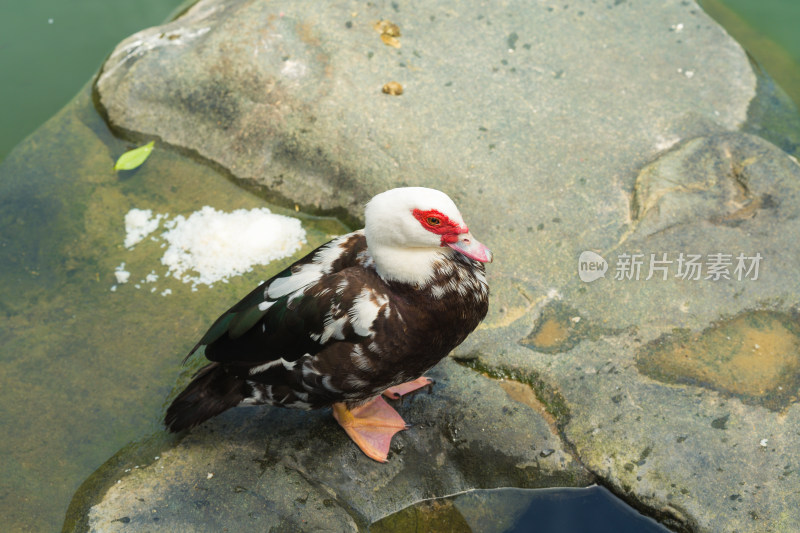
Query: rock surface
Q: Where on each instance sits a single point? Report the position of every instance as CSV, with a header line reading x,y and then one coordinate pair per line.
x,y
595,126
682,393
280,470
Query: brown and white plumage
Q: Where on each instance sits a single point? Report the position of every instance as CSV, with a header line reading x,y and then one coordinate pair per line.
x,y
365,312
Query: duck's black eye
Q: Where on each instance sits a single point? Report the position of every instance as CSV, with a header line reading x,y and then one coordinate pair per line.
x,y
433,221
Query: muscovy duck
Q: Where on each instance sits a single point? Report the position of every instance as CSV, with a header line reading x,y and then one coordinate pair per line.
x,y
364,315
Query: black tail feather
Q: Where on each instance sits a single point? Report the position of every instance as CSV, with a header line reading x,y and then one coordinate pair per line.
x,y
211,392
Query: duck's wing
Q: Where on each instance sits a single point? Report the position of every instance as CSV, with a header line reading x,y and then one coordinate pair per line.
x,y
296,311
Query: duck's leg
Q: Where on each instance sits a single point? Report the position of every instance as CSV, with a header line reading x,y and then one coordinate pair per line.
x,y
397,392
371,426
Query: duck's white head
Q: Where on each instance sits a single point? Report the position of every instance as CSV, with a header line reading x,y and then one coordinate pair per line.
x,y
410,228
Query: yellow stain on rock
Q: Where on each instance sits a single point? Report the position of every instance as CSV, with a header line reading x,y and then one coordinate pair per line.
x,y
522,393
551,334
389,32
755,356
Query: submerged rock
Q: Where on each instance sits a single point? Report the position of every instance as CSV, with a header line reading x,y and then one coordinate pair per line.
x,y
559,129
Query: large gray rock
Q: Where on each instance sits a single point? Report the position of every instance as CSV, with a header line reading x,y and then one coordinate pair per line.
x,y
288,95
558,129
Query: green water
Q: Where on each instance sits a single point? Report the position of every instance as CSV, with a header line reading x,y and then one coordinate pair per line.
x,y
50,48
770,31
778,20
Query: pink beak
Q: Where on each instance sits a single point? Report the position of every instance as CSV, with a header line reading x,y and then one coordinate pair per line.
x,y
469,246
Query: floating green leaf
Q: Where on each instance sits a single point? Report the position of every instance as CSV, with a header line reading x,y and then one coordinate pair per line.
x,y
134,158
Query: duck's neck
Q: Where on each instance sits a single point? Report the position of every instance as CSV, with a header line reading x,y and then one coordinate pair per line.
x,y
407,265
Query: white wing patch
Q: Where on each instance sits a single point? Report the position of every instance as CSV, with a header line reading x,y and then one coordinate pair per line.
x,y
355,383
328,254
322,292
360,361
333,327
256,398
263,306
302,395
341,286
266,366
308,370
299,280
310,273
288,365
366,307
326,382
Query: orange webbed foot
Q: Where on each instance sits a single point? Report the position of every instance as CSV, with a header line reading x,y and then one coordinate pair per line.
x,y
371,426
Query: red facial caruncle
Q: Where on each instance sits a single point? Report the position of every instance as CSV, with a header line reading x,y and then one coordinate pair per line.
x,y
440,224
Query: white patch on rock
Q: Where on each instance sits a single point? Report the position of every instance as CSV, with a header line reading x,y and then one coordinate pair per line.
x,y
211,246
552,294
665,143
294,69
139,223
219,245
142,42
122,275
